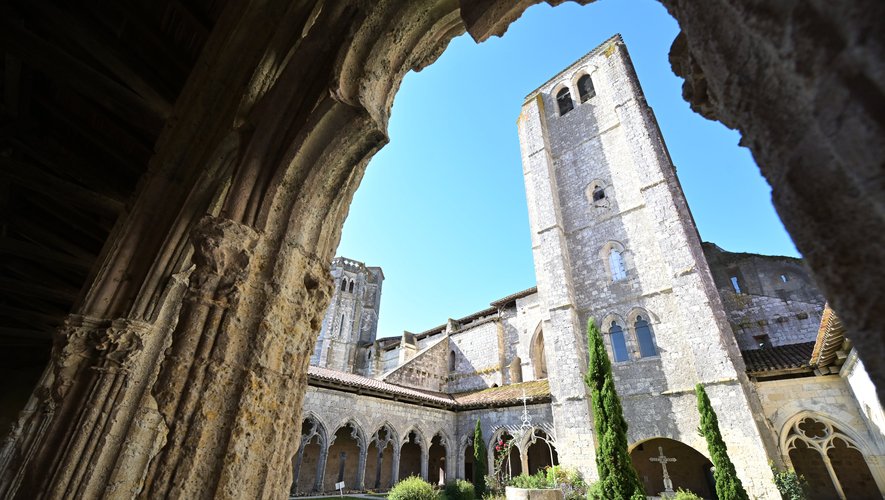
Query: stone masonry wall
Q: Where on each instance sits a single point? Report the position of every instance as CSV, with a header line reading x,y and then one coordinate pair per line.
x,y
427,370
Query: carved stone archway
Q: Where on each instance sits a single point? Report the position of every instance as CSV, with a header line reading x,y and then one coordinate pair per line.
x,y
212,288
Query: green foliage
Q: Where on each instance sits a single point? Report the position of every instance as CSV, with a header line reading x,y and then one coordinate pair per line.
x,y
537,481
728,485
568,480
686,495
791,485
459,490
479,461
617,477
413,488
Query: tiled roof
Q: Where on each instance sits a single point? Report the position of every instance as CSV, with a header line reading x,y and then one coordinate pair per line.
x,y
513,296
784,357
536,391
315,373
830,339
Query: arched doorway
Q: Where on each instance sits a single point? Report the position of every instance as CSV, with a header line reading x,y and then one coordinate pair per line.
x,y
436,463
539,358
468,463
410,456
379,459
686,467
829,460
343,459
540,452
307,462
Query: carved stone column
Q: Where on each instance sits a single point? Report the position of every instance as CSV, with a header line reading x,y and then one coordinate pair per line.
x,y
394,474
321,467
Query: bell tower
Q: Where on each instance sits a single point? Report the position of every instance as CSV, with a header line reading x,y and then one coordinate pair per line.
x,y
613,240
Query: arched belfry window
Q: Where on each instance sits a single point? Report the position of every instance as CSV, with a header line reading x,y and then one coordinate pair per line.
x,y
351,286
598,194
616,265
645,338
619,342
564,101
452,361
585,88
343,284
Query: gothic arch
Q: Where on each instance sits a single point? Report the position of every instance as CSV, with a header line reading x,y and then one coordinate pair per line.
x,y
588,70
321,429
606,329
538,353
605,255
651,348
392,438
688,467
786,438
357,433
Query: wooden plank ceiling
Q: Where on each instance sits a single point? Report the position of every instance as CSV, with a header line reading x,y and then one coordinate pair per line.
x,y
86,88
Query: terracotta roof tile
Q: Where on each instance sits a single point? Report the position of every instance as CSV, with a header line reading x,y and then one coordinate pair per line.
x,y
784,357
358,381
536,391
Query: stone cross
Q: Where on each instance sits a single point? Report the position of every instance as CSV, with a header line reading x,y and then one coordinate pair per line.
x,y
661,459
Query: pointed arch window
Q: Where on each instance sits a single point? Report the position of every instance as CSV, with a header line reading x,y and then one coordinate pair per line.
x,y
564,101
645,338
585,88
343,284
619,343
452,360
351,286
616,264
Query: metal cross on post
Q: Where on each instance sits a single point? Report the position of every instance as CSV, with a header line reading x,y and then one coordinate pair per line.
x,y
661,459
526,420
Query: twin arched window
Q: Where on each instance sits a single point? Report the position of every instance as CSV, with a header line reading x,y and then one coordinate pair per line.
x,y
644,338
346,285
564,101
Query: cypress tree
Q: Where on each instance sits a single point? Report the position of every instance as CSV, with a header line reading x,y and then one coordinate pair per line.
x,y
479,461
728,485
617,477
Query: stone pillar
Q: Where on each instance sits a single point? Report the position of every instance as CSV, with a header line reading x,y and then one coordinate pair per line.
x,y
394,474
361,468
321,468
296,468
524,458
425,461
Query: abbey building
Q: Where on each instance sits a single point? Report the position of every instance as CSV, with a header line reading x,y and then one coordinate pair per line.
x,y
613,241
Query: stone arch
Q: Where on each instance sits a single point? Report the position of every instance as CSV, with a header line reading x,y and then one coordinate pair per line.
x,y
563,98
576,78
691,469
465,457
346,456
513,463
539,450
307,149
538,353
309,462
832,456
599,194
438,452
381,457
412,455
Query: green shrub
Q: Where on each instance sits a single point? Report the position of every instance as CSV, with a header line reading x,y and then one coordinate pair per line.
x,y
686,495
594,492
413,488
791,485
459,490
537,481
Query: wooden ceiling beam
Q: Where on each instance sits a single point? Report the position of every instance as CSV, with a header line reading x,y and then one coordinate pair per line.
x,y
29,316
67,70
26,333
34,178
30,251
25,289
40,235
70,26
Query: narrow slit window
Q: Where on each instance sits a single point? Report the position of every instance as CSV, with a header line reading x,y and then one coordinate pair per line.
x,y
564,101
619,342
735,284
645,338
598,193
343,285
585,88
351,286
784,278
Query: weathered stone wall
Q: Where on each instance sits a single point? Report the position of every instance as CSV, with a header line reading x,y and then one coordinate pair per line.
x,y
428,369
612,142
476,358
864,391
777,297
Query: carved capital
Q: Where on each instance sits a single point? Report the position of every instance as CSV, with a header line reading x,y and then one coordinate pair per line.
x,y
222,251
120,344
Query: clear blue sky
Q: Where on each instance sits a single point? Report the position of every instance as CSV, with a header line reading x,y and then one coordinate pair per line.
x,y
442,207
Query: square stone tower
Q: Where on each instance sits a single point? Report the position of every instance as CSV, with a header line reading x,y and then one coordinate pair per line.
x,y
613,240
351,321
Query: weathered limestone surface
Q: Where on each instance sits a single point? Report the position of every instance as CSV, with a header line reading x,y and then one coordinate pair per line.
x,y
270,138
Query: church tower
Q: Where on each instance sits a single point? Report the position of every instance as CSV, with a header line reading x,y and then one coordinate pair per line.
x,y
351,321
613,240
